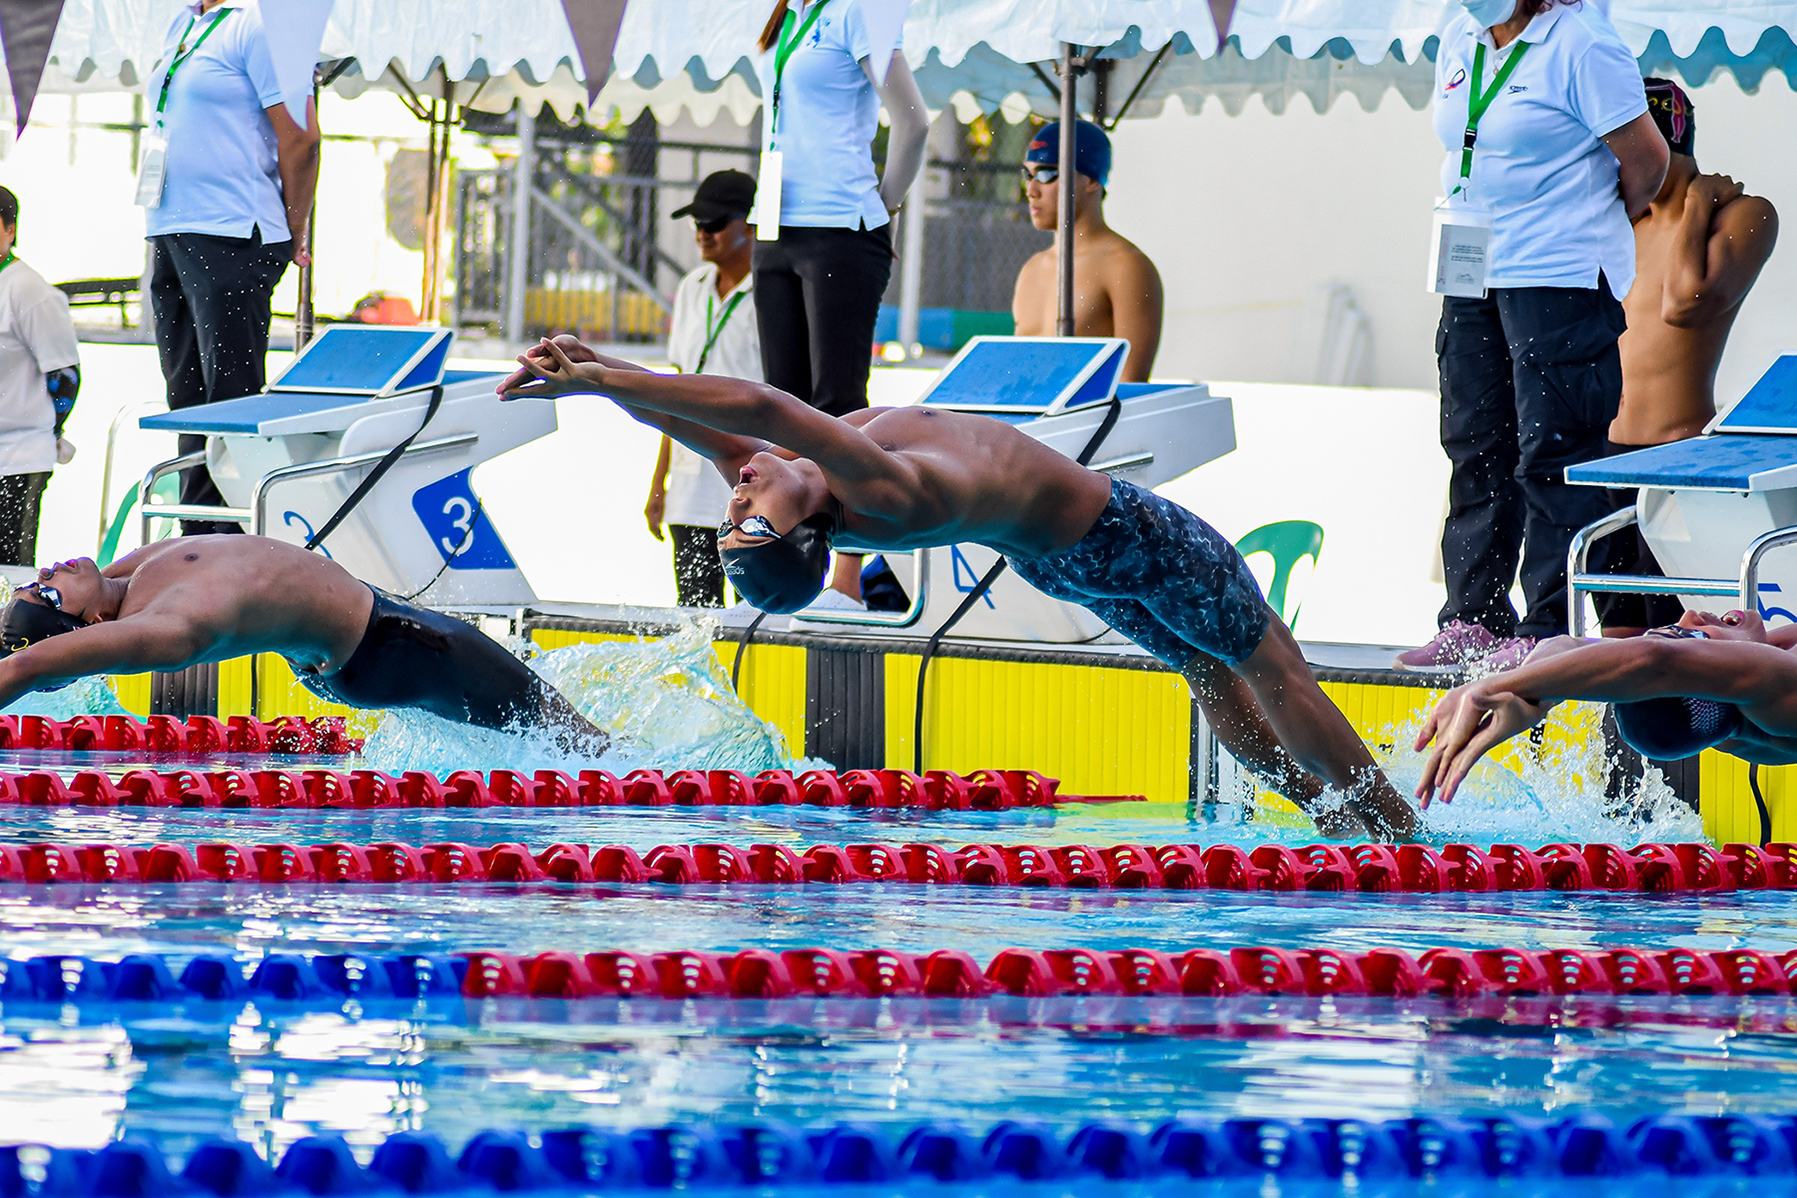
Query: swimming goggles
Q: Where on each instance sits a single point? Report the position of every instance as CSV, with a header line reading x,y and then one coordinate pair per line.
x,y
1041,174
51,595
754,526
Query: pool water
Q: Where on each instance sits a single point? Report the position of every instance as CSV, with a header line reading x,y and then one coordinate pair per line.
x,y
272,1073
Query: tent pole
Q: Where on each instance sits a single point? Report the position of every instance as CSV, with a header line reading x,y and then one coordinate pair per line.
x,y
518,262
304,316
1064,229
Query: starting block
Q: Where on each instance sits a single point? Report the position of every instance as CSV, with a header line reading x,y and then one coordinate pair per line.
x,y
1711,507
1058,390
287,459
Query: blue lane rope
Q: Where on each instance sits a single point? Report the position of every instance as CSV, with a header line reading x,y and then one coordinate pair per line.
x,y
1440,1149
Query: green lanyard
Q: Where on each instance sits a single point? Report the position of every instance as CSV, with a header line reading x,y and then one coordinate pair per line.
x,y
789,41
711,334
180,58
7,261
1478,104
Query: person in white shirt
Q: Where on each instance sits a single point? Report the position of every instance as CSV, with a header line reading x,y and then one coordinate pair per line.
x,y
40,375
227,213
1544,116
713,331
823,261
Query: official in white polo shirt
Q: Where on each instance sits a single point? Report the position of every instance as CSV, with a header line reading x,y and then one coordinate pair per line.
x,y
824,256
40,375
1541,108
227,179
712,331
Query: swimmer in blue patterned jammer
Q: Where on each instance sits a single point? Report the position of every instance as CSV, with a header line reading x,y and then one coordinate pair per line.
x,y
191,600
914,478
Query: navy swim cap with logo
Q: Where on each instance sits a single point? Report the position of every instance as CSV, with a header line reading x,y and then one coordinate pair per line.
x,y
784,574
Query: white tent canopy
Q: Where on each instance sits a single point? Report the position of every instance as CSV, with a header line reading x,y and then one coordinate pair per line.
x,y
694,53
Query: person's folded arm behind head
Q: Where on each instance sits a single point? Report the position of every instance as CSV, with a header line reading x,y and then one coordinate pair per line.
x,y
139,643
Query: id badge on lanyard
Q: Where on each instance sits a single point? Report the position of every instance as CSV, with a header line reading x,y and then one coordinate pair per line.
x,y
768,184
1459,251
152,170
1460,247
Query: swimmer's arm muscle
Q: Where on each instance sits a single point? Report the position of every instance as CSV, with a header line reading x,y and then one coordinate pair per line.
x,y
1719,256
1760,679
129,646
1136,303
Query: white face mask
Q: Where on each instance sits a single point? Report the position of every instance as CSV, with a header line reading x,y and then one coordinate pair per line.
x,y
1490,12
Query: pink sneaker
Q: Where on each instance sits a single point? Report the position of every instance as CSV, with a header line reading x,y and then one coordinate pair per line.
x,y
1507,655
1453,649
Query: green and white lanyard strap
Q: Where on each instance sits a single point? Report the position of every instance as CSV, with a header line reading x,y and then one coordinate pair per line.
x,y
182,54
712,333
1478,104
792,32
7,261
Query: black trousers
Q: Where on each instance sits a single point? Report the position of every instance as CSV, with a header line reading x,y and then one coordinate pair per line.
x,y
698,570
817,296
1530,380
1631,554
209,297
20,498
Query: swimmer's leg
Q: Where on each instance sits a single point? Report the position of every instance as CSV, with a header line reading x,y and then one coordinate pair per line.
x,y
1241,726
1315,732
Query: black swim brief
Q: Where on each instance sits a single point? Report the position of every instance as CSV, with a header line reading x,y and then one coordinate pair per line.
x,y
1159,575
413,657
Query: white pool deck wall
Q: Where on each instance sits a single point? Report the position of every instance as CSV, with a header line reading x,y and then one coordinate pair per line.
x,y
1259,223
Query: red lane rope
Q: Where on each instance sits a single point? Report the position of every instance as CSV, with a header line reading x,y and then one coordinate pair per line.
x,y
935,790
1315,973
1367,868
201,735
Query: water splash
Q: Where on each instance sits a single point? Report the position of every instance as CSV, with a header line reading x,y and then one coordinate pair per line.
x,y
1556,788
85,696
667,704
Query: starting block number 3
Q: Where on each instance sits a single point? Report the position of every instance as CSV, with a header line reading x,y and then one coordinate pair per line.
x,y
458,526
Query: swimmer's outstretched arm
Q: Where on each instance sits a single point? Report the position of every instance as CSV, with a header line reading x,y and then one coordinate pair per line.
x,y
1473,719
147,641
735,406
727,451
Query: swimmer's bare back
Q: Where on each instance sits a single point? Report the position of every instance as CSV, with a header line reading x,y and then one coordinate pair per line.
x,y
243,594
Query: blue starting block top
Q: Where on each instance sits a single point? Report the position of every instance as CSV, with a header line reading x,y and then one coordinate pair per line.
x,y
1033,376
1770,408
1727,463
368,360
277,413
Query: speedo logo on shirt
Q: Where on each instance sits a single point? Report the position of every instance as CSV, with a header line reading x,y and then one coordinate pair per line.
x,y
1516,88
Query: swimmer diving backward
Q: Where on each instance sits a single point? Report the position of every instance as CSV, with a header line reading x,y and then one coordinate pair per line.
x,y
1707,682
914,478
191,600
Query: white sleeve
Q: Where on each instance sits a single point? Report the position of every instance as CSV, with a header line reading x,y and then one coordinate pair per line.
x,y
48,331
1607,92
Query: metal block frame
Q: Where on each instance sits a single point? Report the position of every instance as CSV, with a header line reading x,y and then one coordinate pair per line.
x,y
1579,583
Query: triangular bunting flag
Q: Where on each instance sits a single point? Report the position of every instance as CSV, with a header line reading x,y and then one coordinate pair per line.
x,y
295,30
885,23
595,24
1222,12
26,27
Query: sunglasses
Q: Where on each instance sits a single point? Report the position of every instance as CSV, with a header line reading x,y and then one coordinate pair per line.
x,y
1041,174
754,526
715,225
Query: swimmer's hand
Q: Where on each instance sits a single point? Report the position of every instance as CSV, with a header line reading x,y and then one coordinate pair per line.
x,y
518,383
1468,723
555,374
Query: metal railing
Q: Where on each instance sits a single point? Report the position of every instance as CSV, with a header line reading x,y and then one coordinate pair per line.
x,y
920,598
256,515
1579,583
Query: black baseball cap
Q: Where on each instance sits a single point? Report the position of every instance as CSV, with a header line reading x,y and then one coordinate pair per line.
x,y
721,194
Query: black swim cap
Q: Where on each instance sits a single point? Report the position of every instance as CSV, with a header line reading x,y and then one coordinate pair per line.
x,y
1674,113
783,575
25,623
1672,729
